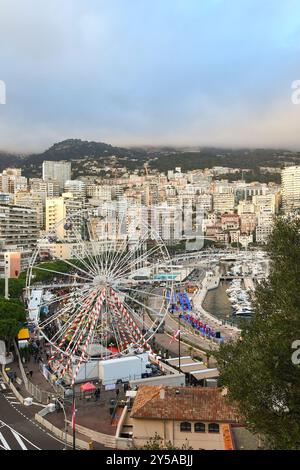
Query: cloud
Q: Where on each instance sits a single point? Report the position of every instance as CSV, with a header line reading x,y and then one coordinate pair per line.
x,y
145,72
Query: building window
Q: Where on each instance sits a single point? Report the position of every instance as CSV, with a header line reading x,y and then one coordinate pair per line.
x,y
199,427
213,427
185,427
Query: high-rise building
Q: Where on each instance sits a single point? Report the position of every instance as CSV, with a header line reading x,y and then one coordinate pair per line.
x,y
223,202
34,201
12,181
60,209
290,186
57,171
18,237
44,188
267,203
264,227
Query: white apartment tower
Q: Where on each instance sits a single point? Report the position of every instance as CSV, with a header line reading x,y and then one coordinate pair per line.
x,y
57,171
290,186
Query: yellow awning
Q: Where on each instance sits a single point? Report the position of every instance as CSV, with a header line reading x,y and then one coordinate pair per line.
x,y
24,334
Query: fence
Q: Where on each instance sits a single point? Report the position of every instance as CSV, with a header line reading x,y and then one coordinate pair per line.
x,y
39,395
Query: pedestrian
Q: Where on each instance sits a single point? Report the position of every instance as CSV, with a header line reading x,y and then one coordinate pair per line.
x,y
97,394
31,373
117,392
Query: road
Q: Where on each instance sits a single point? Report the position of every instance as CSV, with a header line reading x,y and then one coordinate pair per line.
x,y
18,430
171,323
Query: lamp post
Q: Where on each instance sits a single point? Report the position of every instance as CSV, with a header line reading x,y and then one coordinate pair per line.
x,y
6,277
61,402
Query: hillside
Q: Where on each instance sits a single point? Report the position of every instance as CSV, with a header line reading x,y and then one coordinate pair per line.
x,y
87,156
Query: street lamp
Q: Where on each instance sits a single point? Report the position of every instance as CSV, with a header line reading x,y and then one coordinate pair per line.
x,y
61,402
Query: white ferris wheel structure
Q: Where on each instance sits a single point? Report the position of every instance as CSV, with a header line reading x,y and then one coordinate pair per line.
x,y
111,288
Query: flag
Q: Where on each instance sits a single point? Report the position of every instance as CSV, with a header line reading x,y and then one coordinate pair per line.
x,y
175,336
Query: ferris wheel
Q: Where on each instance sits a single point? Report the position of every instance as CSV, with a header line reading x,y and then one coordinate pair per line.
x,y
107,284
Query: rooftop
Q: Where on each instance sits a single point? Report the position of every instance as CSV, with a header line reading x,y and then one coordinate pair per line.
x,y
183,403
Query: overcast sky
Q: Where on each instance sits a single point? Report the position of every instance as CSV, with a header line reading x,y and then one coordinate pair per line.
x,y
181,72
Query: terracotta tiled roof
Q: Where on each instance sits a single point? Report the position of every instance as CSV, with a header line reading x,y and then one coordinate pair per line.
x,y
183,403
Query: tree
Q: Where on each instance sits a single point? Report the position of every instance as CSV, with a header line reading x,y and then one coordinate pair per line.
x,y
258,369
12,317
9,328
12,309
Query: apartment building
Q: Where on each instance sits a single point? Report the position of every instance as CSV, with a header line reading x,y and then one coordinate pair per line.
x,y
223,202
290,187
34,201
18,226
264,227
44,188
57,171
11,181
59,210
76,187
18,237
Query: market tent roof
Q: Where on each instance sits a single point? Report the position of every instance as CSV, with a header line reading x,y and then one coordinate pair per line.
x,y
206,374
88,387
183,360
24,334
113,349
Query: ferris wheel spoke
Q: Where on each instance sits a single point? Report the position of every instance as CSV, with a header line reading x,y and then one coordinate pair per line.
x,y
121,245
117,336
64,310
92,265
127,323
77,337
98,257
136,261
50,320
130,253
79,257
69,296
119,249
121,261
146,307
133,314
74,345
63,329
111,252
92,242
78,315
91,325
58,272
147,293
76,267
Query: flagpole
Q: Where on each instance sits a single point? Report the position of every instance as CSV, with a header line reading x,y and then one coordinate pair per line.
x,y
179,340
73,419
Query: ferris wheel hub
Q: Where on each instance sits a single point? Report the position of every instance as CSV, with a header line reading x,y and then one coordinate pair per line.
x,y
100,281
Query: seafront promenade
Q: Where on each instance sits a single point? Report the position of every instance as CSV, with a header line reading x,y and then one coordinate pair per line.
x,y
211,281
